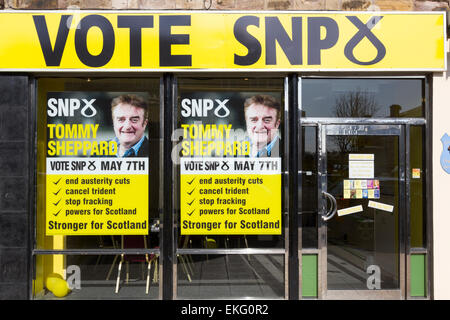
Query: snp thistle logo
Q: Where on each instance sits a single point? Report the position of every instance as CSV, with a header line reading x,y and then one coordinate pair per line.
x,y
445,155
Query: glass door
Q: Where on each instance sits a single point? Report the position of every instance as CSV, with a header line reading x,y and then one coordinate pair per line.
x,y
361,211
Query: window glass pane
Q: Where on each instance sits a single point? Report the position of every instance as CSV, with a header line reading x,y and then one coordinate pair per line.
x,y
230,276
241,207
369,238
363,98
75,127
417,185
85,277
309,186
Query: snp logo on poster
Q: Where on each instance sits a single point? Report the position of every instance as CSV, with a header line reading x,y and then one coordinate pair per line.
x,y
66,107
202,107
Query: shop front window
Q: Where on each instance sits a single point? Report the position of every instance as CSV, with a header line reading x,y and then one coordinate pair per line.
x,y
97,218
229,152
363,98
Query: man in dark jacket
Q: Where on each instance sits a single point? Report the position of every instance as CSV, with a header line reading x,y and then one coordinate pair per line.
x,y
130,119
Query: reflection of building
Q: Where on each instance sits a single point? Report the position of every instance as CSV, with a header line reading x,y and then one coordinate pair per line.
x,y
411,113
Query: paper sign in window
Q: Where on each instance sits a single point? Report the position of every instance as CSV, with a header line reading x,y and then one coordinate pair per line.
x,y
361,189
380,206
361,166
351,210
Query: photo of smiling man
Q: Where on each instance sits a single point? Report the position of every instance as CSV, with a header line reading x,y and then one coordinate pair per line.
x,y
130,119
262,118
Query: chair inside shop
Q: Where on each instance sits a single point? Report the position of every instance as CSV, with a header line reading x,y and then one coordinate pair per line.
x,y
136,242
186,260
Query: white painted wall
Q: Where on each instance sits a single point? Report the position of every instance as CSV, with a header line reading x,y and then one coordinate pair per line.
x,y
441,186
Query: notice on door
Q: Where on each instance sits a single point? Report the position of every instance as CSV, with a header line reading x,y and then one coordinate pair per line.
x,y
381,206
361,166
97,164
351,210
361,189
230,196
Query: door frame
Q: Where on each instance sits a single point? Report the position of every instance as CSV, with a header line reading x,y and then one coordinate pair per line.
x,y
426,123
325,130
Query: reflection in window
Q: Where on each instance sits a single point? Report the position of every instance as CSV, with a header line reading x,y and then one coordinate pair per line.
x,y
363,98
231,276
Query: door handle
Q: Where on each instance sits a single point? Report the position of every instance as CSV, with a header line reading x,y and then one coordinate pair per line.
x,y
328,196
330,214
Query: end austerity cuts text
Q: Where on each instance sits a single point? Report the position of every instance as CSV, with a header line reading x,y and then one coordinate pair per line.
x,y
97,196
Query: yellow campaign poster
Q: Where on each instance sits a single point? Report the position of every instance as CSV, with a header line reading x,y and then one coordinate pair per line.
x,y
230,165
272,41
234,199
97,163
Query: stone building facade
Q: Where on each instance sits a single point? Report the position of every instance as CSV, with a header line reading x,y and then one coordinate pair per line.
x,y
384,5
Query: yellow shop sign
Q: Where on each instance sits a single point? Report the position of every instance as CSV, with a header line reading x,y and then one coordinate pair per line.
x,y
216,41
